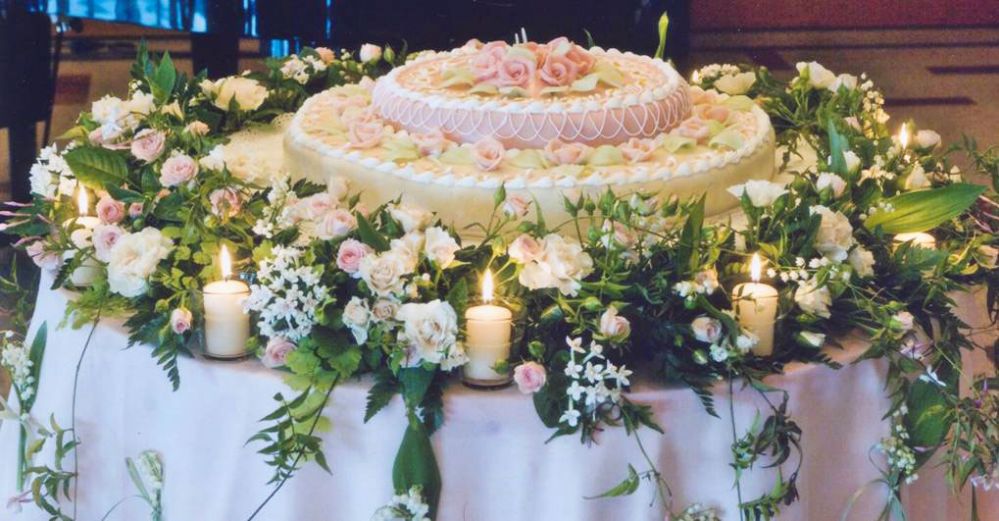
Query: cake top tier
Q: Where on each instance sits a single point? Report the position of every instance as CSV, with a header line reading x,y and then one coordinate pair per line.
x,y
529,94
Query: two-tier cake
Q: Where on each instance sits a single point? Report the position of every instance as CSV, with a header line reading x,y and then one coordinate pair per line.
x,y
446,130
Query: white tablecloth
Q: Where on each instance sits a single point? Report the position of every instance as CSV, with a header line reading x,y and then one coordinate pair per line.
x,y
491,450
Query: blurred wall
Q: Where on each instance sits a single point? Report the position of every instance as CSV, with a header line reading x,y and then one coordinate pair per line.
x,y
841,14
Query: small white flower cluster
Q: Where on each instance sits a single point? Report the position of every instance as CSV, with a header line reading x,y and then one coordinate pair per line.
x,y
410,506
714,71
900,457
50,176
873,101
302,68
595,380
695,512
287,295
704,283
15,358
881,206
150,470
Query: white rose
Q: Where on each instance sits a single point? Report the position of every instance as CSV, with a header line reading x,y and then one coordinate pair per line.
x,y
761,193
614,326
862,262
439,246
108,110
42,181
917,179
818,76
813,299
370,52
563,264
525,249
408,248
384,273
215,160
133,258
707,329
249,94
143,103
852,161
927,139
429,330
835,235
173,109
832,182
410,217
735,84
844,80
356,316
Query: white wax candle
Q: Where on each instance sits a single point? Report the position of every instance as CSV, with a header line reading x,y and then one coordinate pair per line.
x,y
919,239
487,341
85,274
227,326
756,309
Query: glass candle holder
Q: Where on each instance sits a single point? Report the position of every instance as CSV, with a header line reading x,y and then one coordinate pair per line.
x,y
227,327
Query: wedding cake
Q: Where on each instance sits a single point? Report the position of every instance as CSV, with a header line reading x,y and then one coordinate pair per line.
x,y
447,129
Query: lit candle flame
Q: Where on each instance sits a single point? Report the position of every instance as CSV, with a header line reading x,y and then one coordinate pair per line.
x,y
755,268
225,262
487,286
82,202
903,136
695,77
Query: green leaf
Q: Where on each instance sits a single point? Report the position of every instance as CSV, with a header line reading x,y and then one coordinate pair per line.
x,y
369,235
837,149
97,167
690,238
624,488
457,296
415,381
548,404
415,464
163,79
380,394
36,354
928,420
924,209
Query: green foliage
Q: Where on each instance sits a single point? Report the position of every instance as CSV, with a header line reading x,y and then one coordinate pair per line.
x,y
925,209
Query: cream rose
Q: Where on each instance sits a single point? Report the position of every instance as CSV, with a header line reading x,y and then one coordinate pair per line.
x,y
813,299
180,320
335,224
326,54
736,84
926,139
384,309
248,94
761,193
147,145
134,258
197,128
411,218
429,330
862,262
439,246
370,52
563,265
383,273
357,316
516,205
707,329
613,325
819,77
835,235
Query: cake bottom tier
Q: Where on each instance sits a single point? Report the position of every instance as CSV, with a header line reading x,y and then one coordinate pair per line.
x,y
462,206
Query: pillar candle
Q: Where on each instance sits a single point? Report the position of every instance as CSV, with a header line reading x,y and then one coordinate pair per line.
x,y
756,308
227,326
487,338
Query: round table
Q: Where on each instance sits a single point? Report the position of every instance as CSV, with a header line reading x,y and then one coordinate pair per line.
x,y
492,453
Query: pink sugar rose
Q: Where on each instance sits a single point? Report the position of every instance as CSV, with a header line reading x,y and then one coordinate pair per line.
x,y
178,169
694,128
226,202
134,210
486,64
530,377
148,145
365,131
525,249
473,44
636,150
582,58
104,238
348,257
180,320
715,112
109,210
562,153
431,143
516,71
335,224
540,52
488,153
276,352
44,259
516,205
559,71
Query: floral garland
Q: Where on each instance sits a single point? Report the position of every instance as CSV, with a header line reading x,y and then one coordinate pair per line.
x,y
340,290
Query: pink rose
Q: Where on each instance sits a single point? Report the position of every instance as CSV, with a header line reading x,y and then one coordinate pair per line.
x,y
614,326
326,54
148,144
539,51
525,249
47,260
134,210
348,257
431,143
335,224
530,377
488,153
694,128
715,112
562,153
621,235
581,57
226,202
180,320
365,131
109,210
559,71
313,207
104,238
516,205
486,64
636,150
276,352
178,169
516,71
